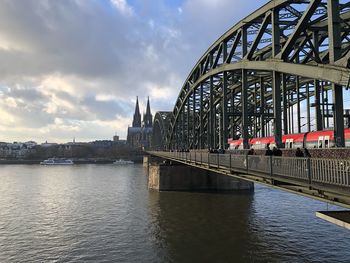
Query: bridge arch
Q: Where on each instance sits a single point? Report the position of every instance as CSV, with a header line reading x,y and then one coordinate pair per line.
x,y
263,75
160,128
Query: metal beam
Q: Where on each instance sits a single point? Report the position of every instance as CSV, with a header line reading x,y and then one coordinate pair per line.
x,y
224,112
258,37
308,107
334,38
217,56
301,26
318,116
234,47
188,125
201,128
211,124
297,87
194,124
244,99
276,89
276,34
329,73
262,107
285,104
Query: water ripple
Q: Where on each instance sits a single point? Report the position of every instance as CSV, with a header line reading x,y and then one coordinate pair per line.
x,y
106,214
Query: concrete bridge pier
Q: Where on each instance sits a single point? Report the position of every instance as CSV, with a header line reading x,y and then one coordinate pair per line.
x,y
165,175
146,160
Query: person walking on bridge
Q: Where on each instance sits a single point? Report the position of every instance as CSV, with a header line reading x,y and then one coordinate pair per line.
x,y
299,153
278,153
268,151
307,153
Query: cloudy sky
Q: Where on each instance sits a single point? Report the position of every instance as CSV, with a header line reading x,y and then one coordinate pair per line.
x,y
73,68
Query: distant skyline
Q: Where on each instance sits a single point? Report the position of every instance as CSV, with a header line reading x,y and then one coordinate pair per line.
x,y
73,68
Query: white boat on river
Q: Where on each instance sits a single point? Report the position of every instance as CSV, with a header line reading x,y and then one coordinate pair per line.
x,y
123,162
57,161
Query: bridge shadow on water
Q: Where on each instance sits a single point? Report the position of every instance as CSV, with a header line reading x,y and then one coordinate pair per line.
x,y
208,227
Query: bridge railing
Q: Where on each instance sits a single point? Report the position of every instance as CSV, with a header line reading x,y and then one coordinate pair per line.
x,y
335,172
260,164
306,171
291,167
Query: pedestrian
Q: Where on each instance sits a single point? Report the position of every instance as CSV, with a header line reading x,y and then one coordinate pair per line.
x,y
278,153
251,152
307,153
274,151
299,153
250,159
268,151
221,151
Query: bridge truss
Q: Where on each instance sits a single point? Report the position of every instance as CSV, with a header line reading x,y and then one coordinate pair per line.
x,y
280,70
160,128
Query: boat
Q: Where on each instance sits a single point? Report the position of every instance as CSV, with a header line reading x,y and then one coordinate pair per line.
x,y
57,161
123,162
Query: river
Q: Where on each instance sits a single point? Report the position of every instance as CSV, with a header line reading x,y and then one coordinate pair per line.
x,y
105,213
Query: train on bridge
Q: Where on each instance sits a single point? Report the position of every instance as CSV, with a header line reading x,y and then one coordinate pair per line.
x,y
316,139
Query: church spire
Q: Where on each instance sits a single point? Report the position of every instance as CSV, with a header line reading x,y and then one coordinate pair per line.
x,y
148,109
137,109
147,119
137,116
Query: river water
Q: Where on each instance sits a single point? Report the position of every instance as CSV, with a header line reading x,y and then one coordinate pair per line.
x,y
105,213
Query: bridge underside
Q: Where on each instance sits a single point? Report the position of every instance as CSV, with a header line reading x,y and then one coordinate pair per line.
x,y
280,70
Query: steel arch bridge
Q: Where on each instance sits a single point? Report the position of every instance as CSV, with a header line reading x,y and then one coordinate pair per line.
x,y
160,128
280,70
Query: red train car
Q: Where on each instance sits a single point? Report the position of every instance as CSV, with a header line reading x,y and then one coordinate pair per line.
x,y
317,139
261,143
235,144
291,141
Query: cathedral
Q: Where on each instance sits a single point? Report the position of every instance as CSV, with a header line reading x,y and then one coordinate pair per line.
x,y
140,134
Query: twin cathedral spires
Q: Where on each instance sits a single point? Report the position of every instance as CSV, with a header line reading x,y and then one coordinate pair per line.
x,y
140,134
147,118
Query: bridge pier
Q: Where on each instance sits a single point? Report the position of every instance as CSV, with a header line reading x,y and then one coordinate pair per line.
x,y
146,160
166,175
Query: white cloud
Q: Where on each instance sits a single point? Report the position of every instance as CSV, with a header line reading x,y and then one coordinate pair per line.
x,y
7,118
151,54
123,7
11,102
106,97
56,82
8,45
73,68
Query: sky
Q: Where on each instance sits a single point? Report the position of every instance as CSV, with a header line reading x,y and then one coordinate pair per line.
x,y
73,68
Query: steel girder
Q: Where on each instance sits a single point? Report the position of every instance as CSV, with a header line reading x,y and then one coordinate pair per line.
x,y
160,128
253,78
